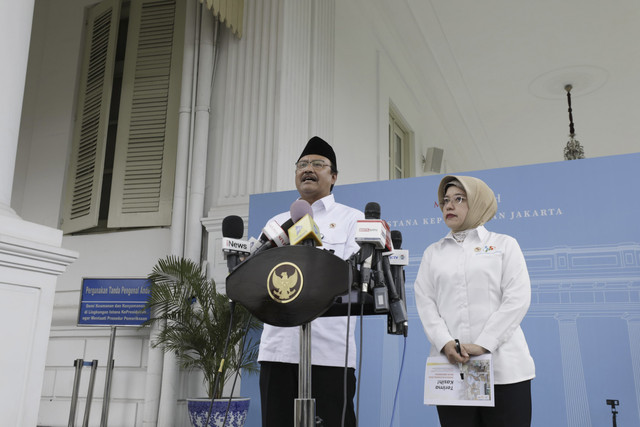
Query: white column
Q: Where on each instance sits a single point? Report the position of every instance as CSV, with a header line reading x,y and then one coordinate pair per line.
x,y
575,388
322,66
633,324
294,57
195,198
243,133
28,273
156,359
15,33
273,90
30,254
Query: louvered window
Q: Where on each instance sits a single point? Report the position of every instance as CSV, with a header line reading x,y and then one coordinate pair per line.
x,y
122,168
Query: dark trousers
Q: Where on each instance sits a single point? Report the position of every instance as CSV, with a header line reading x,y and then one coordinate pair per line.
x,y
513,409
279,389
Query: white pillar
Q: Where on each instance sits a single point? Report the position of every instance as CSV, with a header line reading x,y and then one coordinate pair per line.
x,y
575,388
15,33
28,273
633,324
295,59
30,254
195,196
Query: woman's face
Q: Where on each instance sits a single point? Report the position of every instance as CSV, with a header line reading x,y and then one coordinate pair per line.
x,y
455,207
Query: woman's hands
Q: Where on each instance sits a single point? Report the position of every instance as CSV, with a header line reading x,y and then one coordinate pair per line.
x,y
466,351
473,349
452,355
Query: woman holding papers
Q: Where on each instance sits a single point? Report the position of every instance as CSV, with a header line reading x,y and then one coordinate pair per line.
x,y
472,291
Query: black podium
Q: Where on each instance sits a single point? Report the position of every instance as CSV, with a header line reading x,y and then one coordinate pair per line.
x,y
291,286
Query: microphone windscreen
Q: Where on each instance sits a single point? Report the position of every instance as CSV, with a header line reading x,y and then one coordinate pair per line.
x,y
232,227
396,238
300,208
372,211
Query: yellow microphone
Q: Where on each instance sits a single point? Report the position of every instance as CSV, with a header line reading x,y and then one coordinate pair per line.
x,y
305,232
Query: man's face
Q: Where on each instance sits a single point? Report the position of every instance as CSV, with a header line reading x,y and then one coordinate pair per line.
x,y
314,182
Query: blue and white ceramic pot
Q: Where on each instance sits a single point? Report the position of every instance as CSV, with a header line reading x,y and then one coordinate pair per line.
x,y
198,409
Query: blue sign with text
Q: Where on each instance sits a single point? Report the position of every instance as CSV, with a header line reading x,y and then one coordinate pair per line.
x,y
114,302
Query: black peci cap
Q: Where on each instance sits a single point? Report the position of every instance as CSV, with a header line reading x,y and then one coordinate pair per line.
x,y
319,146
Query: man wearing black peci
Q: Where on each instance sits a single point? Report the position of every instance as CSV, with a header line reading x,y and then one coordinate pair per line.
x,y
315,175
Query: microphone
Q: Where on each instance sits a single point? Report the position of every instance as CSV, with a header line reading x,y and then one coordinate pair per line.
x,y
300,208
305,231
371,234
396,239
372,229
232,246
274,234
398,258
232,227
253,244
397,323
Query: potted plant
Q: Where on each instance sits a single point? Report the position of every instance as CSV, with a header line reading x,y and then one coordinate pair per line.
x,y
193,321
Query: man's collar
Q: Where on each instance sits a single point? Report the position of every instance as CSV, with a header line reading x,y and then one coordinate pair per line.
x,y
327,202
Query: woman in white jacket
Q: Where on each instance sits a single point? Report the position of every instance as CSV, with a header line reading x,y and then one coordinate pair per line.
x,y
473,290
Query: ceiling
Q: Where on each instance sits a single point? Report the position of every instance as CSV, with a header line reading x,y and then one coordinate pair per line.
x,y
497,71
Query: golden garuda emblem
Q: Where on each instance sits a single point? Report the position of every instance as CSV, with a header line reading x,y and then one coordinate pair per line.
x,y
285,282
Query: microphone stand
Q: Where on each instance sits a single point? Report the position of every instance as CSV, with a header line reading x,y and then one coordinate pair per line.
x,y
304,414
305,404
613,403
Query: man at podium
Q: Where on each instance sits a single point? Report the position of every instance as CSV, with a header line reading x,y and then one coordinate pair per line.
x,y
315,175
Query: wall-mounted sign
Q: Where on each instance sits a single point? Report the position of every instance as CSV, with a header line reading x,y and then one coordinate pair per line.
x,y
113,302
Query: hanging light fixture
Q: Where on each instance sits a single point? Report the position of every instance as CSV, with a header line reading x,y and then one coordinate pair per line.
x,y
573,150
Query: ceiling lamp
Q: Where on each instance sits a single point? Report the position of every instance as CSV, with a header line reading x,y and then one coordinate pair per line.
x,y
573,150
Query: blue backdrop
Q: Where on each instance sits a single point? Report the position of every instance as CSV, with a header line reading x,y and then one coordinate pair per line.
x,y
577,224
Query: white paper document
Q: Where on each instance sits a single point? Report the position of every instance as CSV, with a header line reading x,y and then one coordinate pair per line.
x,y
443,384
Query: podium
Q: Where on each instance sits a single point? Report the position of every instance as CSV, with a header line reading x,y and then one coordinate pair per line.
x,y
291,286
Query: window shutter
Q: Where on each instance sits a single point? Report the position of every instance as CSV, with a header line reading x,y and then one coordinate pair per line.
x,y
146,142
84,176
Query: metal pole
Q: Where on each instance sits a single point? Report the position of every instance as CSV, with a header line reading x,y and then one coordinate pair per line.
x,y
107,380
92,381
305,405
74,394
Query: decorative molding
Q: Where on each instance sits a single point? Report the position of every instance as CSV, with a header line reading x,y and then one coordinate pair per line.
x,y
33,247
30,256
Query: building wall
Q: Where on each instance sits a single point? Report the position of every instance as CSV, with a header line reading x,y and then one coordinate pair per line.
x,y
373,72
